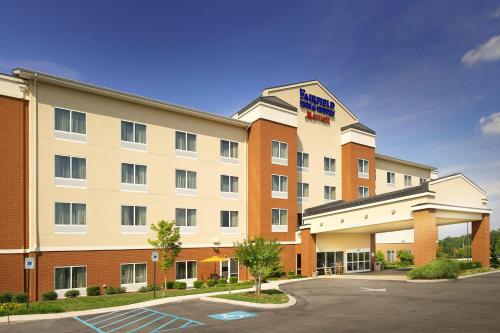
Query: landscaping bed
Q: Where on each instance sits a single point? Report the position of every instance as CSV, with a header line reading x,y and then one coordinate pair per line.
x,y
272,296
447,269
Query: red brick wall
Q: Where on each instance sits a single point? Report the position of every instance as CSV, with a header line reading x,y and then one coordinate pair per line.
x,y
481,240
307,248
351,152
12,272
426,236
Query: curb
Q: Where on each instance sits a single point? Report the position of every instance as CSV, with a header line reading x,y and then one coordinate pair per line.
x,y
291,302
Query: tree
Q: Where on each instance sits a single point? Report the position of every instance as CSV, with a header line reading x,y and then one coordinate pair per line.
x,y
260,256
379,257
494,262
168,243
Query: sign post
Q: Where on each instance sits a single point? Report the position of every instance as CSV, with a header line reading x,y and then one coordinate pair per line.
x,y
154,259
29,264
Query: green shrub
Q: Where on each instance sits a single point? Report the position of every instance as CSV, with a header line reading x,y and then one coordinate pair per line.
x,y
19,298
5,297
18,309
198,284
221,282
121,290
233,280
211,283
379,257
114,290
169,285
277,272
405,257
465,265
93,291
150,287
180,285
49,295
437,269
72,293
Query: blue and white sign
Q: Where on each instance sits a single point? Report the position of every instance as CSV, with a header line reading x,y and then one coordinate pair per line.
x,y
29,263
154,256
232,315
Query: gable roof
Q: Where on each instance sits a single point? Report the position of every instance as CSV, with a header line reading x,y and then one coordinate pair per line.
x,y
359,127
398,160
271,100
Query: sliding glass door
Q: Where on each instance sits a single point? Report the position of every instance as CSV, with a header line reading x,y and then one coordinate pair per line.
x,y
358,260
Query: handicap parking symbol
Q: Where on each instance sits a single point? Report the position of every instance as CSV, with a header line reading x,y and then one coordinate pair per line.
x,y
232,315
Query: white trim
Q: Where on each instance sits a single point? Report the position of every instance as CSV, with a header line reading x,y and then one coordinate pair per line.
x,y
230,195
70,182
128,187
440,180
135,146
134,229
189,192
229,230
279,228
279,195
188,230
262,110
70,136
352,135
370,205
136,285
451,208
14,251
229,160
70,229
83,291
186,154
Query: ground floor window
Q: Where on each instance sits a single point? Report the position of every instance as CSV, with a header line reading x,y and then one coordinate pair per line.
x,y
229,268
133,273
70,277
390,256
328,260
358,260
185,270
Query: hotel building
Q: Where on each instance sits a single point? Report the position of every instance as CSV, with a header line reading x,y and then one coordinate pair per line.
x,y
86,170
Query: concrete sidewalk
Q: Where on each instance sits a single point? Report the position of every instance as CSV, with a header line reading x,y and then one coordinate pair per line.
x,y
33,317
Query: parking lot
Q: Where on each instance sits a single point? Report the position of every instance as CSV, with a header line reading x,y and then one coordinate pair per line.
x,y
469,305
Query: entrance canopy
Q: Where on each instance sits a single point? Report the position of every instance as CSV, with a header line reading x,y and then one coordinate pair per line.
x,y
454,198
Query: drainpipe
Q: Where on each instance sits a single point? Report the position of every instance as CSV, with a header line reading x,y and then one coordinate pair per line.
x,y
37,229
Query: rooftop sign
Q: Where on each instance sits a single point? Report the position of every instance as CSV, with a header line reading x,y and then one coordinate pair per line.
x,y
320,109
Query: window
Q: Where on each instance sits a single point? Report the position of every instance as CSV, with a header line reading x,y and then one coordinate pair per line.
x,y
134,216
407,181
228,219
422,180
71,277
70,125
228,184
279,186
329,260
134,177
279,153
363,169
358,260
133,273
302,191
185,270
228,149
391,178
329,166
185,182
185,142
279,220
362,192
70,213
185,219
70,171
390,256
133,135
330,193
302,161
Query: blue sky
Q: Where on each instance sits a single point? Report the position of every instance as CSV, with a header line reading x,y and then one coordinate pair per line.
x,y
425,75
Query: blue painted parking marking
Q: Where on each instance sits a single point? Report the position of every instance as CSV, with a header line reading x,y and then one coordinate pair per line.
x,y
141,320
232,315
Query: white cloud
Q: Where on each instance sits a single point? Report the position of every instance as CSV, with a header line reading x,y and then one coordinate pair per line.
x,y
42,66
489,51
496,13
490,125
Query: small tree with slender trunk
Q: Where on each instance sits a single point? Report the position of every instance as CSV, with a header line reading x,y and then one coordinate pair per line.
x,y
261,257
168,243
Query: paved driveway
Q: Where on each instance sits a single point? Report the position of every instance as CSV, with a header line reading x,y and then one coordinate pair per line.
x,y
324,305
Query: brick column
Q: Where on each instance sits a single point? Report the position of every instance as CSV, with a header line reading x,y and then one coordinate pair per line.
x,y
373,250
426,236
308,252
481,240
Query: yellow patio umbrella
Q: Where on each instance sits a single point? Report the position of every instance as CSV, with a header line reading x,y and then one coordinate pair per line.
x,y
215,259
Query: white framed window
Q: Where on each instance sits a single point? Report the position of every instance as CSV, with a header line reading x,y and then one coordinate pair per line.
x,y
134,177
70,171
70,218
229,221
133,219
363,168
303,192
362,192
229,187
185,270
133,276
302,161
422,180
279,153
70,277
229,151
279,220
329,166
407,181
391,178
185,144
70,125
279,186
133,135
185,219
185,182
330,193
391,256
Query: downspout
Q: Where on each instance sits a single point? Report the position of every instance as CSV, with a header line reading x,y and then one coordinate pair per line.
x,y
37,233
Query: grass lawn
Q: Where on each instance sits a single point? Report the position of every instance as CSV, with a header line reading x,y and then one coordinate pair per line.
x,y
105,301
272,296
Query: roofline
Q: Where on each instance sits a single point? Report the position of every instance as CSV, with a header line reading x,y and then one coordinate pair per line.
x,y
261,99
29,74
461,175
398,160
312,82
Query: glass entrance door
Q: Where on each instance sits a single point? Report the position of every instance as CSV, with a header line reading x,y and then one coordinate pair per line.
x,y
229,269
358,260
